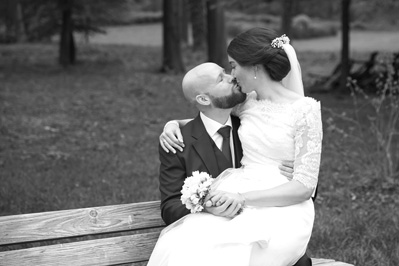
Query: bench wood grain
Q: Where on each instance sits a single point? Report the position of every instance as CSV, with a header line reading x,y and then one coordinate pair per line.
x,y
106,251
139,223
79,222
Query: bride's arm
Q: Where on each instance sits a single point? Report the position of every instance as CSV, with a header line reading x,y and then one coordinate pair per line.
x,y
308,138
287,194
171,137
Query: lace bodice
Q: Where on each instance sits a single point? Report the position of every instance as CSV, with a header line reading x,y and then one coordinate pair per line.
x,y
271,133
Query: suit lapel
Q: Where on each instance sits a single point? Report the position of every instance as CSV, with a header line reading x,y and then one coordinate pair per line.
x,y
204,146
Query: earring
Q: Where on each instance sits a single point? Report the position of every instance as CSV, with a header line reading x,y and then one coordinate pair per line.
x,y
256,68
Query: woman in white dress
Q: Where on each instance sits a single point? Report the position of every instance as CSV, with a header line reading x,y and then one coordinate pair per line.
x,y
278,123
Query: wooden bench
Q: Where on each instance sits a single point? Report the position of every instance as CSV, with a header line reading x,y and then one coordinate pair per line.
x,y
123,234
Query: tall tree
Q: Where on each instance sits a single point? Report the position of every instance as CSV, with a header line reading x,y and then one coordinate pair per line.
x,y
13,20
184,23
20,27
287,17
217,41
67,55
172,55
198,23
345,57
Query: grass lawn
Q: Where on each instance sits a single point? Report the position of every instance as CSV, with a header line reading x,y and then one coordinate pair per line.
x,y
88,136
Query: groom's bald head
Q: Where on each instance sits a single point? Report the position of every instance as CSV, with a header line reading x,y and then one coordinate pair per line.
x,y
198,80
209,87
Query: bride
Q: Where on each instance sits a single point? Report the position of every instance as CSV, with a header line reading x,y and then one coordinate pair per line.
x,y
278,123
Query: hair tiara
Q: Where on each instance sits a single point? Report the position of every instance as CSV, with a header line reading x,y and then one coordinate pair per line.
x,y
279,41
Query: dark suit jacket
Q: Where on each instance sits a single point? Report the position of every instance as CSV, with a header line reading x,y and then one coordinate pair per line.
x,y
198,155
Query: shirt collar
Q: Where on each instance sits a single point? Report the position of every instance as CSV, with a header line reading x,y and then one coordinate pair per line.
x,y
213,126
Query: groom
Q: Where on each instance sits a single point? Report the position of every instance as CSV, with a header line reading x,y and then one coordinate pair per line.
x,y
214,93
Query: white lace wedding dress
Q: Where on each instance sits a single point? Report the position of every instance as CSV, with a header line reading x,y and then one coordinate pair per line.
x,y
270,133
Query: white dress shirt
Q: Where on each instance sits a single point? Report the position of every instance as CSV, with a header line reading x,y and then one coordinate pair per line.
x,y
212,128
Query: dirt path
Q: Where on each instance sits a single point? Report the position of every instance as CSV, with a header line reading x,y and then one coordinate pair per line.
x,y
151,35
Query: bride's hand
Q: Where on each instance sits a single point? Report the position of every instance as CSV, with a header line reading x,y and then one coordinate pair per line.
x,y
227,204
171,138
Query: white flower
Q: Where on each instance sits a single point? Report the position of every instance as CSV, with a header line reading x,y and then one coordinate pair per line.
x,y
279,41
195,189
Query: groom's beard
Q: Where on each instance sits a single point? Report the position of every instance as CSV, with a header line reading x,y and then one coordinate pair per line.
x,y
229,101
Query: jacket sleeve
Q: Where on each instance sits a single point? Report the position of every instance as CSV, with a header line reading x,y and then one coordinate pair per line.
x,y
172,174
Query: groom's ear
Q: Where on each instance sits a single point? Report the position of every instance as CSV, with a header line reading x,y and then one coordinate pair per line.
x,y
203,99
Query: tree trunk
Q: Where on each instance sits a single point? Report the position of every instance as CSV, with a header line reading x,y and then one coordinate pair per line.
x,y
67,54
10,19
198,26
287,17
20,27
184,21
172,56
217,45
345,64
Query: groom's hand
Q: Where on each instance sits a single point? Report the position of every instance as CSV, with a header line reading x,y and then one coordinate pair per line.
x,y
287,169
228,211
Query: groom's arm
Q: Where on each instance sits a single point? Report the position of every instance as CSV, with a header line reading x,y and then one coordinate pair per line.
x,y
171,178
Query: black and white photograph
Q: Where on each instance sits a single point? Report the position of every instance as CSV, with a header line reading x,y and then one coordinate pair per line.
x,y
199,132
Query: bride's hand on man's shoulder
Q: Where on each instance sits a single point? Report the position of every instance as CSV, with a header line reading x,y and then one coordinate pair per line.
x,y
171,138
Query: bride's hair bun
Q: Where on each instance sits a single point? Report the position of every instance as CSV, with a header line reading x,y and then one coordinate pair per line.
x,y
253,47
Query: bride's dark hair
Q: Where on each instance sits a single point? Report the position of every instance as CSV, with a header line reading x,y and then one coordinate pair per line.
x,y
253,47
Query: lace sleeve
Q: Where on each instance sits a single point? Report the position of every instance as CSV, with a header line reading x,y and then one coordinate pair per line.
x,y
308,138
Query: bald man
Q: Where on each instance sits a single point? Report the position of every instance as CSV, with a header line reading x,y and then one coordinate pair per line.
x,y
214,93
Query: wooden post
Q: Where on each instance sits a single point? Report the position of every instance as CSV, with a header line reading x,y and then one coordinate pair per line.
x,y
217,46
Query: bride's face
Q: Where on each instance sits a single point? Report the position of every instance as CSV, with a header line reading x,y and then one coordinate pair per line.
x,y
244,75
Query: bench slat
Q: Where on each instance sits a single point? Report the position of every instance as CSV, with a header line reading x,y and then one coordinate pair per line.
x,y
317,261
328,262
79,222
88,221
106,251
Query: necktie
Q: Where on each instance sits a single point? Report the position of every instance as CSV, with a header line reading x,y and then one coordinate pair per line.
x,y
225,132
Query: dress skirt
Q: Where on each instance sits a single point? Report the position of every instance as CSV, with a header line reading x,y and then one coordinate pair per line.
x,y
282,233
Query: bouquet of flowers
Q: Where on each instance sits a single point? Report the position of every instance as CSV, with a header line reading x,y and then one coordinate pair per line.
x,y
195,189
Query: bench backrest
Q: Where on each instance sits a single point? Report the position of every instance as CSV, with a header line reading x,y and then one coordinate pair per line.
x,y
108,224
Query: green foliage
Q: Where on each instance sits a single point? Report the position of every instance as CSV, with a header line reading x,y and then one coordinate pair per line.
x,y
42,19
303,27
365,14
237,22
377,134
146,5
375,14
135,17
